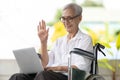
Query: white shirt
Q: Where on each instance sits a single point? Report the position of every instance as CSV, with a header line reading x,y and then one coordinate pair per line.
x,y
58,56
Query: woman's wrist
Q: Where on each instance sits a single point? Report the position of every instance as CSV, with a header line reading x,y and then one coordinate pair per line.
x,y
64,68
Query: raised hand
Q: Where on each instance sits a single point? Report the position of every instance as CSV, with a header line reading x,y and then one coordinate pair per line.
x,y
42,32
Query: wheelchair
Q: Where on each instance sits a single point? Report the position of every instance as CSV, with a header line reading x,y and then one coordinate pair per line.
x,y
75,74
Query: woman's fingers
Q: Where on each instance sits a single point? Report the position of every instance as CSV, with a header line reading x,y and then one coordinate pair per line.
x,y
38,28
42,31
42,25
53,68
47,30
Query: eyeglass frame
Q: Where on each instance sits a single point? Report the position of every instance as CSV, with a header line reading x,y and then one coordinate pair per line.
x,y
69,19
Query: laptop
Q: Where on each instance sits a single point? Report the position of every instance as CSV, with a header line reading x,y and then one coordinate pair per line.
x,y
28,60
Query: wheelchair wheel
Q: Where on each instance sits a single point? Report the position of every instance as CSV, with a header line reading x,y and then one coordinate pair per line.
x,y
95,77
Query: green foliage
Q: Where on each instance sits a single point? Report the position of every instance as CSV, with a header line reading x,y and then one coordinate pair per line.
x,y
118,42
119,65
105,38
104,63
50,23
56,17
91,3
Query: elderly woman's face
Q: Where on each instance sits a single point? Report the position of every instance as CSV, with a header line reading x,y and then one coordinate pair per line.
x,y
70,20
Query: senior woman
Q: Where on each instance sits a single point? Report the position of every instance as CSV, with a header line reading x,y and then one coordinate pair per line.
x,y
56,61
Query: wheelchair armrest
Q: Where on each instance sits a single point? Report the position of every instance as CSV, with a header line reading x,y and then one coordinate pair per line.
x,y
84,53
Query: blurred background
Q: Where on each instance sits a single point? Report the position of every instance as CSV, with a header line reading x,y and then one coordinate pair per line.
x,y
18,29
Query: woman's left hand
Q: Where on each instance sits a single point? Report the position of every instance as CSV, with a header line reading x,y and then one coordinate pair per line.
x,y
57,68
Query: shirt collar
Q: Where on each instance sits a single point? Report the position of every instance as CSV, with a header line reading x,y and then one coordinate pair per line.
x,y
77,36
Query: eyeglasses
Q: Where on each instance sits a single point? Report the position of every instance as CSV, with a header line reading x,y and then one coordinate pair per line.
x,y
69,18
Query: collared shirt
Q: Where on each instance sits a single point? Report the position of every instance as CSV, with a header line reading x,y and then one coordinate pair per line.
x,y
58,56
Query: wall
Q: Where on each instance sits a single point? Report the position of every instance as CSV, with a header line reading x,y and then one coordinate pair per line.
x,y
7,68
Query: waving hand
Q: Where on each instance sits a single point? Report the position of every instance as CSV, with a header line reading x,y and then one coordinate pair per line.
x,y
42,31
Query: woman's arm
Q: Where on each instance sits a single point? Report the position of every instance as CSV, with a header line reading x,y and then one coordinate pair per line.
x,y
43,36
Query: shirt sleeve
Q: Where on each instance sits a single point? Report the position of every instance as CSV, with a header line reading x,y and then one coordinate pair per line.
x,y
51,54
81,62
88,45
51,58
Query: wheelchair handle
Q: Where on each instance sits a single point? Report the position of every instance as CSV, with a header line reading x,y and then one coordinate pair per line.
x,y
98,46
101,46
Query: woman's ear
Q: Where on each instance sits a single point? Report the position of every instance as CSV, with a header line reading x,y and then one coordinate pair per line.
x,y
80,18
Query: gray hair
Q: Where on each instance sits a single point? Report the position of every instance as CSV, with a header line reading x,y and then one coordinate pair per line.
x,y
75,7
